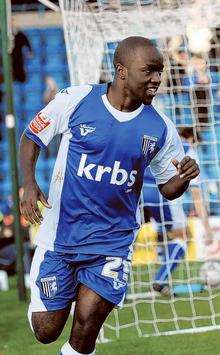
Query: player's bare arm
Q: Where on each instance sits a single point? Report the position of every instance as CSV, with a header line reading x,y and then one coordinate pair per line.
x,y
187,169
29,152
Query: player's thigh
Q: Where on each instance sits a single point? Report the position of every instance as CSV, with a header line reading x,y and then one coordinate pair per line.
x,y
103,286
52,292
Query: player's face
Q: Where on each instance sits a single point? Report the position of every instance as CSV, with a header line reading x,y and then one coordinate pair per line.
x,y
143,75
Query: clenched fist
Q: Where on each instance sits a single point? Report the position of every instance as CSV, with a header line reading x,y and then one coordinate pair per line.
x,y
187,168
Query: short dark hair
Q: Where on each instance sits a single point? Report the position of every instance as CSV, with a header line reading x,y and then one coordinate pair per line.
x,y
127,47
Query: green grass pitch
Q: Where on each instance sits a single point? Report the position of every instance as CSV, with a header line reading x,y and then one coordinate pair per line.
x,y
16,337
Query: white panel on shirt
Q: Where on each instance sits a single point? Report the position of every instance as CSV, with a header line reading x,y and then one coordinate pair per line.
x,y
48,229
161,166
59,110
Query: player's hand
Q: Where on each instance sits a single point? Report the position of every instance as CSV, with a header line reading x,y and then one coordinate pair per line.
x,y
187,168
28,203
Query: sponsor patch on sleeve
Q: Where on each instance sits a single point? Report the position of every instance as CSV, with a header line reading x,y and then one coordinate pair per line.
x,y
39,123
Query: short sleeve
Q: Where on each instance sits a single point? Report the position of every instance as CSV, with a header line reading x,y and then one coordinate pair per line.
x,y
161,165
54,118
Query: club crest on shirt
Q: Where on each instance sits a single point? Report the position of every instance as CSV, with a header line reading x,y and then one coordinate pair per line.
x,y
84,129
39,123
49,286
148,144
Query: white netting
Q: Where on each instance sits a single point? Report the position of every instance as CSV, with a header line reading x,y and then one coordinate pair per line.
x,y
89,26
188,35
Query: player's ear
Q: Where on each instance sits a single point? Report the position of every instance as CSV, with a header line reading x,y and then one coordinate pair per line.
x,y
120,71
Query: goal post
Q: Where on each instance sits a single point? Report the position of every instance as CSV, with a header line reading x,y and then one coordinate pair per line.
x,y
189,95
10,122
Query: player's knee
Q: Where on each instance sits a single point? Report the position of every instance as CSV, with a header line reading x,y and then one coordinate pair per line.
x,y
86,328
46,336
45,330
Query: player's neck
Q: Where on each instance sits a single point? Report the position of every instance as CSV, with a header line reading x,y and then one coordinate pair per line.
x,y
120,100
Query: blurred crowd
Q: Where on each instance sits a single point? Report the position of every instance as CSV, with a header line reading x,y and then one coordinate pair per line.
x,y
191,69
7,239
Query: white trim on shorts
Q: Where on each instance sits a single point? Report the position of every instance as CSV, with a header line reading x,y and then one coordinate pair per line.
x,y
36,305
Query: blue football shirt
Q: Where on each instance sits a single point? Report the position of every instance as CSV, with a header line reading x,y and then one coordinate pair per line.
x,y
98,174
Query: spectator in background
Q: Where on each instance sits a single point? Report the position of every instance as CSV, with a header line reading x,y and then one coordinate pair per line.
x,y
171,222
8,253
190,141
7,247
198,80
201,80
20,41
172,232
214,52
178,62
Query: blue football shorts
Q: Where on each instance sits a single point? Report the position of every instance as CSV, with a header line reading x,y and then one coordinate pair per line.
x,y
55,277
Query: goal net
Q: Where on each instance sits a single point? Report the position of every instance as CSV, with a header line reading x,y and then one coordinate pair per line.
x,y
188,34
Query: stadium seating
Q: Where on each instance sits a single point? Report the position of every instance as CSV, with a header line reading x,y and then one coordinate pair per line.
x,y
49,58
